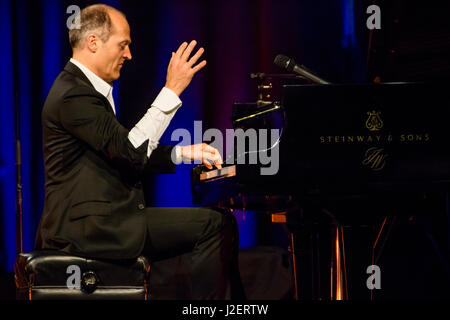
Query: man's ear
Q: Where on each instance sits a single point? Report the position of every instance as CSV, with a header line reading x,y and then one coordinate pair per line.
x,y
91,42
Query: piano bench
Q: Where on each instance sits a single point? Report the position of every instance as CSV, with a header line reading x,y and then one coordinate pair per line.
x,y
55,275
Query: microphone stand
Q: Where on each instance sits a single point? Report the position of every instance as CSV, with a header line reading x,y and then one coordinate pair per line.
x,y
19,221
18,149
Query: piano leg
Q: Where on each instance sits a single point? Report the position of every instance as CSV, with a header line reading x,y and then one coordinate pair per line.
x,y
338,276
294,264
281,217
307,239
304,251
304,248
381,239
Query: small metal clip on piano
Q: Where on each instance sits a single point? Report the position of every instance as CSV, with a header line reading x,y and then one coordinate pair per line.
x,y
381,144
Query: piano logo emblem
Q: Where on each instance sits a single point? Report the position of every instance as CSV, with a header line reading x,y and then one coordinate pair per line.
x,y
374,122
375,158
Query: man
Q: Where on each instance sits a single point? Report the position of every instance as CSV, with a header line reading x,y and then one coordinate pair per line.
x,y
94,202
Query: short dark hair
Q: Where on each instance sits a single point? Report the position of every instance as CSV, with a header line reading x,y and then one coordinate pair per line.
x,y
94,18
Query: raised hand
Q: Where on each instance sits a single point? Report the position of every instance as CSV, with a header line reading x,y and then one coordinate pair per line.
x,y
181,70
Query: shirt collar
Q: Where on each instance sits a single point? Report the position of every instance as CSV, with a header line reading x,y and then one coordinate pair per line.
x,y
99,84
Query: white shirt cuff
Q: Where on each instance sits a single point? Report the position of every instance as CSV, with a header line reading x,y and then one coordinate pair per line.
x,y
167,100
178,158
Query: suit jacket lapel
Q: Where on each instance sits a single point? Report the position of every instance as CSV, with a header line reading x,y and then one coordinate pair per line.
x,y
73,69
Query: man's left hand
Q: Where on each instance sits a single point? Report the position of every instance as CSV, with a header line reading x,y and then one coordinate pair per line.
x,y
203,152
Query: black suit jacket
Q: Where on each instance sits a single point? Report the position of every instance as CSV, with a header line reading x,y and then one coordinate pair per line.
x,y
94,199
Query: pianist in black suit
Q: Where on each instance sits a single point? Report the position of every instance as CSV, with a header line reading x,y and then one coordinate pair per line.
x,y
94,201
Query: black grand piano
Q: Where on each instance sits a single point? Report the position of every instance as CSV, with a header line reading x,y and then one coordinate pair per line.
x,y
343,153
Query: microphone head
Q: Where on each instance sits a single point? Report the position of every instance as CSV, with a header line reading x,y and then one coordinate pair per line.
x,y
284,62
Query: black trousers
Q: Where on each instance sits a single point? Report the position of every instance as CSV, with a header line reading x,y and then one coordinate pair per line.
x,y
196,251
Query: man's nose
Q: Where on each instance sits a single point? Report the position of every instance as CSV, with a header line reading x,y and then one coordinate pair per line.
x,y
127,55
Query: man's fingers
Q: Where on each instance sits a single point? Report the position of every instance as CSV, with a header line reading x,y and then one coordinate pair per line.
x,y
207,163
181,49
213,155
171,59
218,164
188,50
211,150
208,148
195,57
199,66
216,158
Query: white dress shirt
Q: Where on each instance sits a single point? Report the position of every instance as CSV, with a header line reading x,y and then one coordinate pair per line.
x,y
153,123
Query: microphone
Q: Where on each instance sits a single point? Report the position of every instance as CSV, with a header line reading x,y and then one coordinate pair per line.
x,y
291,66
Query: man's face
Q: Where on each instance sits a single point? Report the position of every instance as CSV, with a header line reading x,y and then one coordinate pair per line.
x,y
111,54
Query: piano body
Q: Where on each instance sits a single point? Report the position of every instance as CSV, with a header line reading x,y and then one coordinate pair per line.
x,y
347,153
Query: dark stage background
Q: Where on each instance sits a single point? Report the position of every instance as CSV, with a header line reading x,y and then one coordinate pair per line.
x,y
240,37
